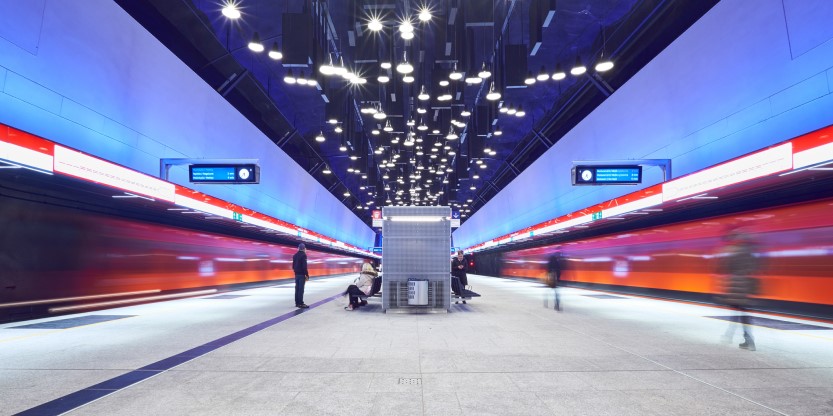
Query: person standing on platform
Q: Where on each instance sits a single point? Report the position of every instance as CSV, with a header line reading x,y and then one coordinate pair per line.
x,y
554,266
739,266
299,266
458,270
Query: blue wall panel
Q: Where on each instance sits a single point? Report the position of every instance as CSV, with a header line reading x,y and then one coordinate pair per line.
x,y
87,75
731,84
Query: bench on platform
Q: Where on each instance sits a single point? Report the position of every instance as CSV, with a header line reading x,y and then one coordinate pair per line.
x,y
375,290
461,294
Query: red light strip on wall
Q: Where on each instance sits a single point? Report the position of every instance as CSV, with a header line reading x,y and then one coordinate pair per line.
x,y
33,152
798,153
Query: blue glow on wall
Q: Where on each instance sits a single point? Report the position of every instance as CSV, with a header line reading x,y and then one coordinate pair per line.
x,y
740,79
86,75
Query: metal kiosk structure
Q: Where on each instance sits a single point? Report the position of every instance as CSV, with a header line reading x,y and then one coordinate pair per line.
x,y
416,246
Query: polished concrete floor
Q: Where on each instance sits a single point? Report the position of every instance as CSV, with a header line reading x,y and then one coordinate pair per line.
x,y
501,354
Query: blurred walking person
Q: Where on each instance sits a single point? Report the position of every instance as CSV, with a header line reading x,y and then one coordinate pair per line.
x,y
739,266
554,267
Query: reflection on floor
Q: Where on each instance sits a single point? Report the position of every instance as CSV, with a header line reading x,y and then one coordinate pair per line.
x,y
503,354
774,323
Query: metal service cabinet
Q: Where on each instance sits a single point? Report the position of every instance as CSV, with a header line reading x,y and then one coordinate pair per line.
x,y
416,247
417,292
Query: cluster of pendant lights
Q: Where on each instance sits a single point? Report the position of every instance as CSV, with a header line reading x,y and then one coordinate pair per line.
x,y
231,11
406,31
604,65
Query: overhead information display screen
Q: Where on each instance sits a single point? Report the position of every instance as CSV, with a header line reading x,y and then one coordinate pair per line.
x,y
607,175
247,173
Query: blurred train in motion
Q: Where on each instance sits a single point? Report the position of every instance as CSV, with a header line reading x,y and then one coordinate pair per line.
x,y
794,245
49,253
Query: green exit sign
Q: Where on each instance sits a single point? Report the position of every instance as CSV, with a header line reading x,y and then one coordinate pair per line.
x,y
597,215
237,216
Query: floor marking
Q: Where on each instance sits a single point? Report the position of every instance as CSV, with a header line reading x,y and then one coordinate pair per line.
x,y
98,391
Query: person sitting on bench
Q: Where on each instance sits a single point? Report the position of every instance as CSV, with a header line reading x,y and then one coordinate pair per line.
x,y
362,286
458,270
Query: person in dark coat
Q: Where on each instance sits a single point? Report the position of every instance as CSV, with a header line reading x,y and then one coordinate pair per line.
x,y
554,267
739,266
299,266
458,270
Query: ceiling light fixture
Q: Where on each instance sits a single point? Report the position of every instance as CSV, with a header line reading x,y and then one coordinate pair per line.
x,y
444,83
275,53
408,79
455,74
328,68
404,67
520,112
423,95
473,80
424,14
255,44
542,74
320,138
451,134
484,72
578,68
326,170
375,24
605,64
421,110
529,78
388,127
406,29
465,113
559,73
386,65
498,131
231,11
493,94
380,115
289,78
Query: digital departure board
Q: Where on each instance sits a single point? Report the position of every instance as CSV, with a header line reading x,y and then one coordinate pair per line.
x,y
607,175
247,173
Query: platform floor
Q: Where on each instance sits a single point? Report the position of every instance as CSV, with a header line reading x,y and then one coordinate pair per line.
x,y
501,354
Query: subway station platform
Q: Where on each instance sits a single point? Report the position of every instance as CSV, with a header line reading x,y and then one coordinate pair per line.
x,y
251,352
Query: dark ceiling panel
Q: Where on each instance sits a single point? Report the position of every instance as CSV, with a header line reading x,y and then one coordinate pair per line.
x,y
468,33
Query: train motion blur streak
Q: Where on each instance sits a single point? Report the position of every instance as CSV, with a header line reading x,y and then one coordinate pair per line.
x,y
49,252
794,245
